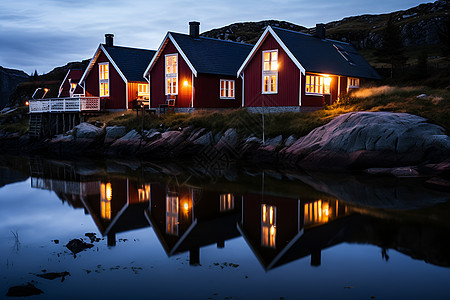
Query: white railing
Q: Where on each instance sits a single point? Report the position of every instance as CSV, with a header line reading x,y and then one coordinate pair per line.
x,y
65,104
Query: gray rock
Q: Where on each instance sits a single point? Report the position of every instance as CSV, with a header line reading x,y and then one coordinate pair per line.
x,y
114,132
370,139
229,139
274,141
289,141
205,140
133,134
86,130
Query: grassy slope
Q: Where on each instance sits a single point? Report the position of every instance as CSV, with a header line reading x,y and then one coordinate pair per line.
x,y
435,107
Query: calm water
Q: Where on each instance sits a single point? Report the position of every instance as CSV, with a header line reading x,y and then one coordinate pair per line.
x,y
190,232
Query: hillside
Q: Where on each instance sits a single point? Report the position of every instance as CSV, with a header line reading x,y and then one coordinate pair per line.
x,y
248,32
52,80
420,28
9,79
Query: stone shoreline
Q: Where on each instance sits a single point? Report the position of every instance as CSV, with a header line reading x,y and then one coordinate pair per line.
x,y
381,143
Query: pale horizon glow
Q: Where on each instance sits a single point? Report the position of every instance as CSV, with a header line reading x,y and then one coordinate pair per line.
x,y
44,34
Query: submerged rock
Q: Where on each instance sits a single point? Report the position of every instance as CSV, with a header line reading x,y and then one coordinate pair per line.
x,y
23,291
78,245
52,275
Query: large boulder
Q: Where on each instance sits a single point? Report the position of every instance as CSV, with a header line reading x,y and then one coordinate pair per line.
x,y
86,130
361,140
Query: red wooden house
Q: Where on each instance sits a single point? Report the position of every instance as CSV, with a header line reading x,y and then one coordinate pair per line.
x,y
69,87
288,70
115,75
190,71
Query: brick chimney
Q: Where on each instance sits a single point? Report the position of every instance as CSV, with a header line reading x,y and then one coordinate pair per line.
x,y
320,31
194,29
109,39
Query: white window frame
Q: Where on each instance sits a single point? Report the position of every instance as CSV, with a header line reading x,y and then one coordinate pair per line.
x,y
352,83
309,85
270,73
172,209
171,76
103,81
143,89
229,92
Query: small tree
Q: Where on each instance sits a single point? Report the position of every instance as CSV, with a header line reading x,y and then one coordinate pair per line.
x,y
392,50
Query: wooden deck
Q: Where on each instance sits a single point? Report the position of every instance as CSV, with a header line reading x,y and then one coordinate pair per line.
x,y
62,105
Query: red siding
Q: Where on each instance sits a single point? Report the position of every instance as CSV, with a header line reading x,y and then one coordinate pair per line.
x,y
157,80
207,92
288,79
117,87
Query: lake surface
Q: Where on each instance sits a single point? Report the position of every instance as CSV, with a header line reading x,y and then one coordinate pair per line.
x,y
169,231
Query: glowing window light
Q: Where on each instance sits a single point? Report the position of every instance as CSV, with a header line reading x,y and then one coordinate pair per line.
x,y
268,226
144,193
226,202
105,200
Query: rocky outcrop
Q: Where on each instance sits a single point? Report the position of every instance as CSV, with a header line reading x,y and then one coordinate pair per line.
x,y
9,79
369,139
393,144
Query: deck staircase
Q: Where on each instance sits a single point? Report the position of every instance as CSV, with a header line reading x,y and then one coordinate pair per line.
x,y
35,125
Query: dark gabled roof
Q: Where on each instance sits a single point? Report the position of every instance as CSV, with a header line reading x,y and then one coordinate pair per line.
x,y
212,56
131,61
326,56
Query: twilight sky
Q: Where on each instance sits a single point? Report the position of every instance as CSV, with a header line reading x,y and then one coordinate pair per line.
x,y
43,34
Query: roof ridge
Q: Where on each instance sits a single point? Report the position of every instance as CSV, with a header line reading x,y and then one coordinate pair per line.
x,y
130,48
213,39
309,35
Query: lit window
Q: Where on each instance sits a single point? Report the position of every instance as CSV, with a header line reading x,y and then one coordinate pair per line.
x,y
317,212
143,90
105,200
171,71
103,69
226,202
270,72
353,83
268,225
226,89
318,85
144,193
172,206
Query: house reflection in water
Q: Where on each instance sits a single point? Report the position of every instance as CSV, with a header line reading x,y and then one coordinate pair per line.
x,y
115,205
186,219
273,225
119,206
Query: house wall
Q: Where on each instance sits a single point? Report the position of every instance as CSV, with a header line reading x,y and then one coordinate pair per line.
x,y
288,79
207,92
157,80
117,87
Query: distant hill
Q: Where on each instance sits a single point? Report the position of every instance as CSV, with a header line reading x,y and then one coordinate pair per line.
x,y
248,32
9,79
52,80
419,26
